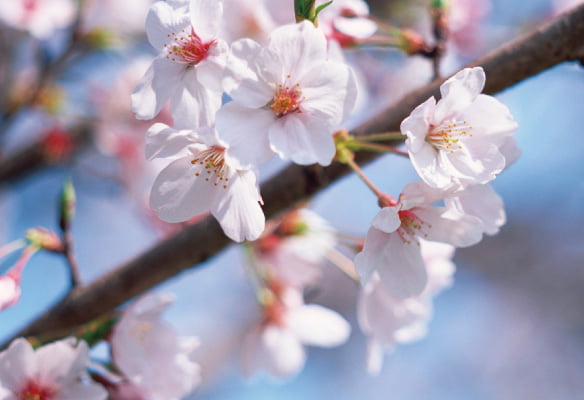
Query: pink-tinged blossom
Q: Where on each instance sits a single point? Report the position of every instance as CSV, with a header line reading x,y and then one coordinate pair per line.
x,y
56,371
41,18
288,98
344,21
189,67
276,344
388,320
155,361
116,17
392,246
249,19
203,178
296,249
10,282
457,141
465,18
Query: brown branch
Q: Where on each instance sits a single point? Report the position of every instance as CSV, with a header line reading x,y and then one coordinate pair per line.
x,y
556,42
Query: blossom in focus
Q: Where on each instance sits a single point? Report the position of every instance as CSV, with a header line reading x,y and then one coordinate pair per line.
x,y
203,178
276,344
155,361
457,141
288,98
389,320
189,67
56,371
392,246
295,250
41,18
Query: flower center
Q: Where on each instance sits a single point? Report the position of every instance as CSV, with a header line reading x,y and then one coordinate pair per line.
x,y
186,47
34,391
287,100
449,135
411,227
211,165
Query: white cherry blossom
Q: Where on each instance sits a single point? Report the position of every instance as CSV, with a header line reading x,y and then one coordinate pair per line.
x,y
41,18
56,371
189,67
392,246
458,141
156,362
288,98
203,178
389,320
276,344
346,20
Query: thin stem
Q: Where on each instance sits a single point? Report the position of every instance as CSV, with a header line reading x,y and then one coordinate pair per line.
x,y
359,171
378,147
343,263
381,136
69,254
12,246
384,41
16,271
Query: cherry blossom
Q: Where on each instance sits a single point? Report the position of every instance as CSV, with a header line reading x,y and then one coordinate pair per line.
x,y
288,98
56,371
251,19
297,247
156,362
119,17
41,18
392,246
203,178
276,344
457,141
188,69
9,291
389,320
346,20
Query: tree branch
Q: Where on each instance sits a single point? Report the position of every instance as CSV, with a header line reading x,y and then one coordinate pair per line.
x,y
556,42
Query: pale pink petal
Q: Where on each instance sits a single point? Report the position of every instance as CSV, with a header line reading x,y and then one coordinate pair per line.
x,y
163,20
238,209
9,292
79,390
192,105
417,125
303,141
484,203
161,81
387,220
210,70
17,364
457,230
242,75
371,257
489,116
164,141
178,195
458,93
318,326
360,28
375,355
206,17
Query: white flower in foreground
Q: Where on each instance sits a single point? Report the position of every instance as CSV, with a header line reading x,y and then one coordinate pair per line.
x,y
39,17
392,246
276,344
389,320
457,141
56,371
294,252
288,98
203,178
189,67
155,360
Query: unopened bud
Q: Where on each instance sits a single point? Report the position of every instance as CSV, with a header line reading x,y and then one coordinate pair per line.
x,y
45,239
386,200
342,142
412,42
67,203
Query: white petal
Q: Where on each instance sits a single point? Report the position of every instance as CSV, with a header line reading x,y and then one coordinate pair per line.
x,y
210,70
242,75
374,357
79,390
457,230
164,141
206,17
370,258
458,93
318,326
245,131
302,141
360,28
387,220
17,364
238,209
160,82
488,116
417,125
178,195
484,203
163,20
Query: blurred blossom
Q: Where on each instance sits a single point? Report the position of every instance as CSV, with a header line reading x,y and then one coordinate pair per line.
x,y
389,320
276,343
296,249
560,6
41,18
120,18
464,24
56,371
156,362
57,144
10,282
250,18
346,20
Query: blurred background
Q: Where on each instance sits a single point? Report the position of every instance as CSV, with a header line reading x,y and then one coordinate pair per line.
x,y
512,325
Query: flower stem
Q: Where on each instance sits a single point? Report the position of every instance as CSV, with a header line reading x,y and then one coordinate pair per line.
x,y
381,136
343,263
12,246
356,145
351,163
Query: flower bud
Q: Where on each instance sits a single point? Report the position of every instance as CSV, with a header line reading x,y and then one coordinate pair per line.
x,y
67,202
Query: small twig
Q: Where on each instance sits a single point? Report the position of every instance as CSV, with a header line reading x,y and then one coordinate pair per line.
x,y
69,254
